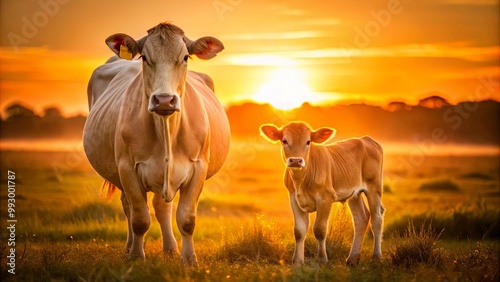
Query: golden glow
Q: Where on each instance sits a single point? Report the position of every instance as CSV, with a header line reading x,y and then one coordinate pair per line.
x,y
286,89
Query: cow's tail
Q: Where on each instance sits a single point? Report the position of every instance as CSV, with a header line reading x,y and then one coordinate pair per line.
x,y
110,189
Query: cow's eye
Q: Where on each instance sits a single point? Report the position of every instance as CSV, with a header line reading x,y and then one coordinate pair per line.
x,y
144,59
186,58
284,142
308,142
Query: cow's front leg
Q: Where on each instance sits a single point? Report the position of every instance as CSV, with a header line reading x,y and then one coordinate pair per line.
x,y
139,212
126,210
186,213
320,229
301,224
163,212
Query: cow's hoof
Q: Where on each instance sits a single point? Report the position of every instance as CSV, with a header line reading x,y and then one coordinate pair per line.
x,y
377,257
171,252
353,260
170,249
323,261
136,256
298,263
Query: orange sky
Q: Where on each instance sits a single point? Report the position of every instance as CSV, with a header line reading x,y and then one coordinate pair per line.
x,y
337,50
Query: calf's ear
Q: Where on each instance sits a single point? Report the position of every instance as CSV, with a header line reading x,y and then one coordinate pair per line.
x,y
204,48
123,45
271,132
321,135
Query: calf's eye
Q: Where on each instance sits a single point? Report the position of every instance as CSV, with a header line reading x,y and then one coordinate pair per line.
x,y
284,142
186,58
308,142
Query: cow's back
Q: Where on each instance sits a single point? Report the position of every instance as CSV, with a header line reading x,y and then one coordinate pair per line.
x,y
355,161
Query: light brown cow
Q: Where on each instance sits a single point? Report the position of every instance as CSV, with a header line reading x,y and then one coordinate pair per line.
x,y
317,176
155,127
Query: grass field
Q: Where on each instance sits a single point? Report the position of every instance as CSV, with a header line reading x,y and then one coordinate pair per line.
x,y
442,223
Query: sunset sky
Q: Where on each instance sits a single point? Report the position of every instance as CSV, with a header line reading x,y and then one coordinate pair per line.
x,y
295,51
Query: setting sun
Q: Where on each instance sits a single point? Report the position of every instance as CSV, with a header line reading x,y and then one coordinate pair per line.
x,y
286,89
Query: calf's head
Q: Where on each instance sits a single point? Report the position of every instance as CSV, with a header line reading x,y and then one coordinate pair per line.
x,y
296,140
165,52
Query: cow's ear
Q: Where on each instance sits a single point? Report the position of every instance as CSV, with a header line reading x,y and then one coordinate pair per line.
x,y
123,45
321,135
204,48
271,132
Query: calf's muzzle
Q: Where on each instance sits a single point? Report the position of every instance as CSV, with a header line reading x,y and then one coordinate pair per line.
x,y
164,104
295,163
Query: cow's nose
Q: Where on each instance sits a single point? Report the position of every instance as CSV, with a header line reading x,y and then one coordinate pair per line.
x,y
295,162
164,104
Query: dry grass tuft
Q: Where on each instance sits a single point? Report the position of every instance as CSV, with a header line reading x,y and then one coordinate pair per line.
x,y
417,246
257,242
483,259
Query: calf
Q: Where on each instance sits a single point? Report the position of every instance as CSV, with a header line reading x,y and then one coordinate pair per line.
x,y
318,175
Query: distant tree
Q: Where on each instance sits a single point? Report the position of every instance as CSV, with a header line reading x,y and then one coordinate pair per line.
x,y
52,113
434,102
18,110
396,106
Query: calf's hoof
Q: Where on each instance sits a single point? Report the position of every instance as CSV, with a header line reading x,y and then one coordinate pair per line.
x,y
353,260
191,261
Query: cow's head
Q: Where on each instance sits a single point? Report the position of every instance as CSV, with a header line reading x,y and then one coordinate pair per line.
x,y
165,52
296,139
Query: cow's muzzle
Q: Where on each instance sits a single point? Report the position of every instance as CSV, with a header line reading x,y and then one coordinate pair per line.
x,y
164,104
295,163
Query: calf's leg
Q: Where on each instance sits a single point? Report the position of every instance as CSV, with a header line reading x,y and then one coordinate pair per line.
x,y
301,224
360,217
377,221
320,228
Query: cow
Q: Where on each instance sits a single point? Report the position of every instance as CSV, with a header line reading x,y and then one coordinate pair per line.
x,y
154,126
318,175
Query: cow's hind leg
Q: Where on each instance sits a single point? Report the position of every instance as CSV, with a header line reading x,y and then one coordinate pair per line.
x,y
163,212
377,219
360,217
126,210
